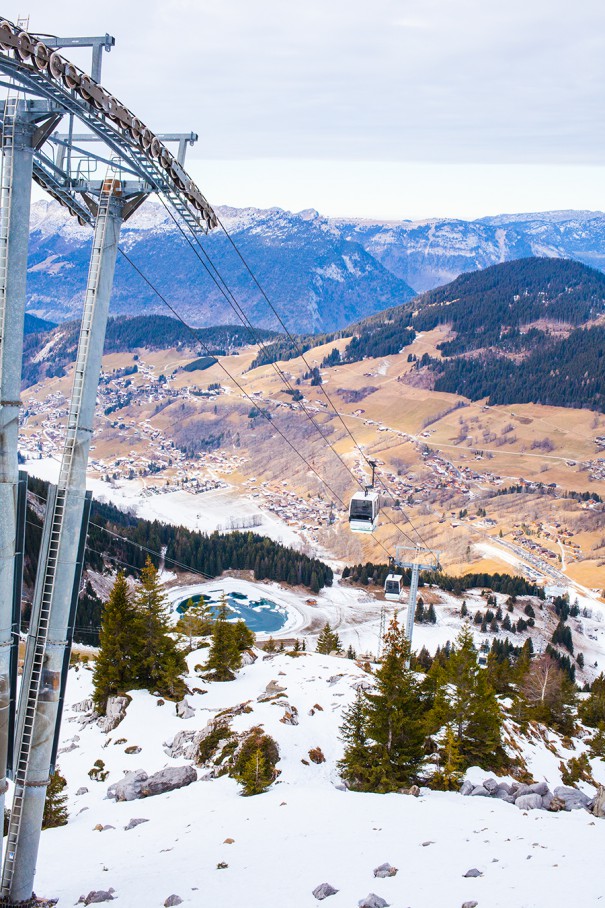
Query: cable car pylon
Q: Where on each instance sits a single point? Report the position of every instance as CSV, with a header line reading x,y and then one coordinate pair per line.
x,y
419,561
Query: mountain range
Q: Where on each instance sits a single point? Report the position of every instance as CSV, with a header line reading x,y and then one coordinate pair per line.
x,y
320,273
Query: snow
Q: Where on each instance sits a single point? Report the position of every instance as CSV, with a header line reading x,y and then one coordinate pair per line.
x,y
304,830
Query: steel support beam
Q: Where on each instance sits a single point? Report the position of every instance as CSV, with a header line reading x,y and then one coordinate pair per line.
x,y
15,198
39,702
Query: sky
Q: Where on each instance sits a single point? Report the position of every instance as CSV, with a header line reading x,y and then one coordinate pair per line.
x,y
384,109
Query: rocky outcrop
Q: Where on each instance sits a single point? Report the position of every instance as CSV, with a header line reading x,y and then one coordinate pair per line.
x,y
114,713
184,710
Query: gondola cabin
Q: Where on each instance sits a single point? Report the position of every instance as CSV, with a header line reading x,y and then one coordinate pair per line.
x,y
363,512
392,587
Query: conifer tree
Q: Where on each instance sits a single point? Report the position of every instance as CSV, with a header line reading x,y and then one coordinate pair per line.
x,y
195,622
225,657
353,766
328,641
592,710
466,700
395,717
116,668
449,774
160,663
55,805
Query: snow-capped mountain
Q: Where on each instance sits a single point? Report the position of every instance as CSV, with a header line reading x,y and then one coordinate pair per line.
x,y
316,279
320,273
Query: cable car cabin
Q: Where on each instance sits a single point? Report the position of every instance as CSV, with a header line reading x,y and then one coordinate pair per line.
x,y
392,587
363,512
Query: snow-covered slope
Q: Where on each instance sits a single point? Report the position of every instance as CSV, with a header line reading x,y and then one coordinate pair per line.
x,y
306,830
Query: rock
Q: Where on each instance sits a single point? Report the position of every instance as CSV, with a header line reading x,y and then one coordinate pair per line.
x,y
472,904
168,780
184,710
547,800
531,801
467,787
273,689
228,841
136,821
181,744
81,791
571,797
540,788
133,749
504,786
84,706
556,804
248,657
67,750
114,713
373,901
316,755
385,870
473,872
96,896
503,795
519,788
128,788
598,808
490,785
323,891
173,900
290,716
480,792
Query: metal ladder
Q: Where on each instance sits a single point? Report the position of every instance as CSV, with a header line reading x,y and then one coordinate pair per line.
x,y
6,184
34,678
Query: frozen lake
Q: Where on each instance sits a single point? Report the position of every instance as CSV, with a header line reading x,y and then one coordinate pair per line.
x,y
261,615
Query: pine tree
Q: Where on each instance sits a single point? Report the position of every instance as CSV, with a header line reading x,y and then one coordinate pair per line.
x,y
195,622
269,646
328,641
225,657
253,775
449,774
353,766
55,805
160,663
395,717
466,700
116,666
592,710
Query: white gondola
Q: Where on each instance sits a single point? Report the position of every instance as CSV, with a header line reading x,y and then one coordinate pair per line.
x,y
363,512
392,587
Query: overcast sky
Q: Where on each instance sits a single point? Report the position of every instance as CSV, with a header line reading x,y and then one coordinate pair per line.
x,y
374,108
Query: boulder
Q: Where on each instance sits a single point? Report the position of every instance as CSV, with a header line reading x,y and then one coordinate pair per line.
x,y
133,749
114,713
184,710
96,896
323,891
290,716
547,800
598,808
273,689
531,801
136,821
139,785
84,706
373,901
385,870
480,792
248,657
490,785
540,788
503,795
168,780
473,872
81,791
467,787
128,788
572,798
471,904
173,900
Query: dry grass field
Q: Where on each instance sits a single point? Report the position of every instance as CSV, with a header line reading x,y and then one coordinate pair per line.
x,y
444,460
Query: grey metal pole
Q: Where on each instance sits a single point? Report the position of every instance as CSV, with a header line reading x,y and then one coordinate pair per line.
x,y
15,198
409,621
39,704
